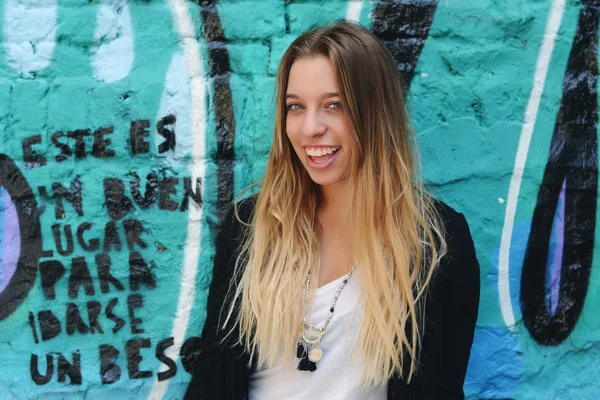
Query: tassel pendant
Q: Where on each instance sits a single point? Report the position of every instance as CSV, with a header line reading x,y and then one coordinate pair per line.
x,y
306,363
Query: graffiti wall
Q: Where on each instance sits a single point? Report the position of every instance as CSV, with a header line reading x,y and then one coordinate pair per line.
x,y
127,128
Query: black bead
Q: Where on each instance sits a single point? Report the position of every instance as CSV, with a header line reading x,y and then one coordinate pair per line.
x,y
331,309
345,281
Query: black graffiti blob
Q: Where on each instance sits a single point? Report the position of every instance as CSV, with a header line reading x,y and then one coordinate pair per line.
x,y
403,27
571,175
26,206
222,101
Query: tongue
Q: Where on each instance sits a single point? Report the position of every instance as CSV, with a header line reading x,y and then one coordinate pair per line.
x,y
321,159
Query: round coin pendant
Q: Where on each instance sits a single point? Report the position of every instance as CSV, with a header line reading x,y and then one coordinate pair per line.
x,y
315,354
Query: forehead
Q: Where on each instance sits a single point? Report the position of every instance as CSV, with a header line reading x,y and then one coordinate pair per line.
x,y
312,76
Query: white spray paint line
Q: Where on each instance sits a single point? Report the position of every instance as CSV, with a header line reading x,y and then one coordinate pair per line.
x,y
113,60
187,290
354,9
541,70
29,34
176,101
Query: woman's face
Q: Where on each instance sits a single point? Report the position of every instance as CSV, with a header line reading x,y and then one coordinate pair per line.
x,y
315,121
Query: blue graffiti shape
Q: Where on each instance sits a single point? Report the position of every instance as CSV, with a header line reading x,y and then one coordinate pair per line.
x,y
403,26
565,211
223,104
496,365
21,240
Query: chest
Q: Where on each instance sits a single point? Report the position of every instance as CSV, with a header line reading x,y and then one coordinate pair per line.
x,y
339,371
335,256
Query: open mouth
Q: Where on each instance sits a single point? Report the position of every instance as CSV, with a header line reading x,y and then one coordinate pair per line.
x,y
321,155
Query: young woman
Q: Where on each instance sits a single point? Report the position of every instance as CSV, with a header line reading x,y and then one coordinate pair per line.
x,y
342,278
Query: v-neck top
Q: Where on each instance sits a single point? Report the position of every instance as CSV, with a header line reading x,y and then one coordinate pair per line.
x,y
338,373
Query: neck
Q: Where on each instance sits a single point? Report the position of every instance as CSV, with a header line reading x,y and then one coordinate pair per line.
x,y
332,197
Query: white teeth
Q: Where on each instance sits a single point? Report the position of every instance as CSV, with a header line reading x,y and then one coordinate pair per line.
x,y
322,151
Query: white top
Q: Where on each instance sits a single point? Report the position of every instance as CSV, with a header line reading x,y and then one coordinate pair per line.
x,y
336,377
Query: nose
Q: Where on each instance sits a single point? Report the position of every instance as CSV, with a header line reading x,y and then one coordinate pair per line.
x,y
314,124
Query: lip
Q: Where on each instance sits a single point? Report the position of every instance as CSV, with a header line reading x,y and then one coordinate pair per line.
x,y
314,165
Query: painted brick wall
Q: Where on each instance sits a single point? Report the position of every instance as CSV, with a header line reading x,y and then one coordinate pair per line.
x,y
126,128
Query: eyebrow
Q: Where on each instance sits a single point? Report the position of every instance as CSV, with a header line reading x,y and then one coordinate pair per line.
x,y
324,96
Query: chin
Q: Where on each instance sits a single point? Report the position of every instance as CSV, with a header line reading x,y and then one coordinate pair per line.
x,y
325,180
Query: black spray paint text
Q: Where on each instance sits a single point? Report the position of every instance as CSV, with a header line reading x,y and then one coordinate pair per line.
x,y
138,132
110,370
120,201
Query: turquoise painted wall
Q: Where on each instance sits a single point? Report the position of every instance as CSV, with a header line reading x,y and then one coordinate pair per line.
x,y
127,127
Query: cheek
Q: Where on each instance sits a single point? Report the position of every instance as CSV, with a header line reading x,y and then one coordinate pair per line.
x,y
292,129
343,133
345,138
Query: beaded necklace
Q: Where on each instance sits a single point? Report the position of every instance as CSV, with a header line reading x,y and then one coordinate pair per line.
x,y
309,351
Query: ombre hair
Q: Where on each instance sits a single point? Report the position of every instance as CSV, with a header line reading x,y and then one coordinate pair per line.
x,y
395,233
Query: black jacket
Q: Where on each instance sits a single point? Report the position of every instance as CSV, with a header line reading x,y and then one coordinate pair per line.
x,y
222,371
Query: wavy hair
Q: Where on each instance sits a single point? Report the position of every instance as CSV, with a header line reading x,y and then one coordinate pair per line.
x,y
396,233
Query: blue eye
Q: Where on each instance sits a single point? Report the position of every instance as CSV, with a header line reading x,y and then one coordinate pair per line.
x,y
294,107
336,105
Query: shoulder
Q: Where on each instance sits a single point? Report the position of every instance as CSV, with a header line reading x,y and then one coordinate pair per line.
x,y
459,267
451,219
456,230
238,216
245,208
234,226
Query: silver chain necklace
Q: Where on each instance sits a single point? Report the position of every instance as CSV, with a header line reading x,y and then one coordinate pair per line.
x,y
309,351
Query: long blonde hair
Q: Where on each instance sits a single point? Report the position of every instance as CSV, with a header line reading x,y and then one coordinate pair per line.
x,y
396,232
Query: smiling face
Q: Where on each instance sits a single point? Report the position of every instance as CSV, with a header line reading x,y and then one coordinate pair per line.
x,y
315,121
